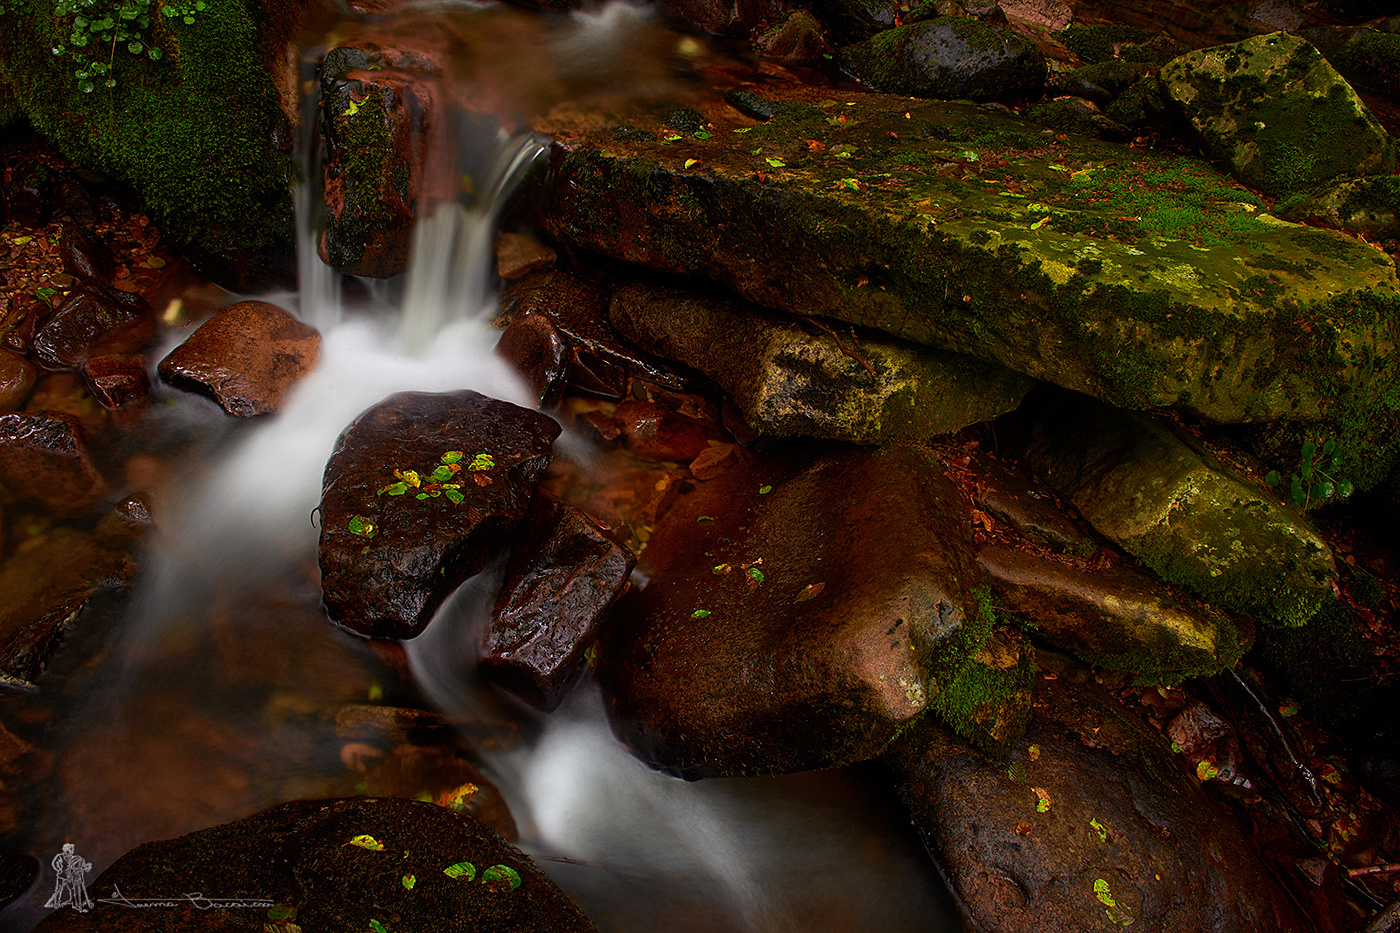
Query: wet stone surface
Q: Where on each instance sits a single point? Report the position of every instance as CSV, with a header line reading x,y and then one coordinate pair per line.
x,y
333,864
44,458
94,320
785,627
246,357
400,527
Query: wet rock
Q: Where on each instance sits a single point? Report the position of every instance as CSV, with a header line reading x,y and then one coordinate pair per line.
x,y
1171,505
1009,495
246,358
887,225
1272,109
18,871
94,320
797,40
1115,618
30,194
517,255
854,20
596,359
118,381
1358,205
394,539
1094,825
298,862
44,458
46,583
947,59
129,521
17,377
990,696
84,256
374,168
535,348
563,575
659,432
778,631
794,381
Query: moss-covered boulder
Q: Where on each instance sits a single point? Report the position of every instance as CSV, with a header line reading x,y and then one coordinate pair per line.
x,y
183,108
1272,109
1141,278
790,381
949,58
1170,504
1368,205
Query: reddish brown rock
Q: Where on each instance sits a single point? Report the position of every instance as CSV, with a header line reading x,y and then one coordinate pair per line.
x,y
658,432
84,256
94,320
533,345
802,608
245,357
563,575
517,255
46,584
44,458
394,540
118,381
1100,827
427,869
1009,495
17,377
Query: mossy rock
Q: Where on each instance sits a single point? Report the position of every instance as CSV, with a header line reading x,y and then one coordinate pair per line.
x,y
1138,277
1369,205
199,134
949,58
1273,110
1097,43
1370,60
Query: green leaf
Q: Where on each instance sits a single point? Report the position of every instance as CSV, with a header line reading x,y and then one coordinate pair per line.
x,y
703,135
408,882
1273,478
1295,490
1324,489
421,495
464,870
756,575
1328,446
454,495
1103,894
394,489
764,490
1309,450
1099,829
367,842
498,876
374,925
1344,488
705,518
700,613
189,21
775,162
452,456
359,525
482,462
154,54
441,475
279,912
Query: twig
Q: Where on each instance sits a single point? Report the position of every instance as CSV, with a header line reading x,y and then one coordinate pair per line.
x,y
844,349
1372,870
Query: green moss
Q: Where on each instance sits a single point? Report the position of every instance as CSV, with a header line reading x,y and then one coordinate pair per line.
x,y
1095,43
982,681
191,133
1371,60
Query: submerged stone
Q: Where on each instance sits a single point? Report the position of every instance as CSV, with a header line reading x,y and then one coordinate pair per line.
x,y
246,357
1167,502
44,458
118,381
1273,110
801,609
350,864
794,381
17,377
563,575
949,58
1142,278
1101,828
1115,618
422,489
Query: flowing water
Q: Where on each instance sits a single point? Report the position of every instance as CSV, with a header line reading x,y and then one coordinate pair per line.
x,y
211,702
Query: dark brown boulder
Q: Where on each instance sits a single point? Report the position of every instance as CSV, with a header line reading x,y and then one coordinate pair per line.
x,y
563,575
534,347
421,491
84,256
93,321
802,608
30,194
118,380
44,458
17,377
246,358
1094,825
356,864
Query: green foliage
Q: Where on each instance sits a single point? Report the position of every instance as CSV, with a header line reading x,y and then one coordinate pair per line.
x,y
99,29
1316,480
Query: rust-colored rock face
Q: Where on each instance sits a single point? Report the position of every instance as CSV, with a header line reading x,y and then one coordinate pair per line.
x,y
245,357
44,458
400,528
794,616
93,321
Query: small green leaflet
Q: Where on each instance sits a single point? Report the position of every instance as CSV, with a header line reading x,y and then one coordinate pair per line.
x,y
1206,769
1116,914
279,912
481,462
703,135
442,474
764,490
499,876
377,927
353,109
367,842
755,575
775,162
359,525
1102,893
1100,829
705,518
452,456
700,613
394,489
454,495
409,881
464,870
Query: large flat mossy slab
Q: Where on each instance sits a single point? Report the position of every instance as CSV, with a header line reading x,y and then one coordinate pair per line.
x,y
1139,277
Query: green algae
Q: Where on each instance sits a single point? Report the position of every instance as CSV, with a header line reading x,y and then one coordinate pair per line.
x,y
981,681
